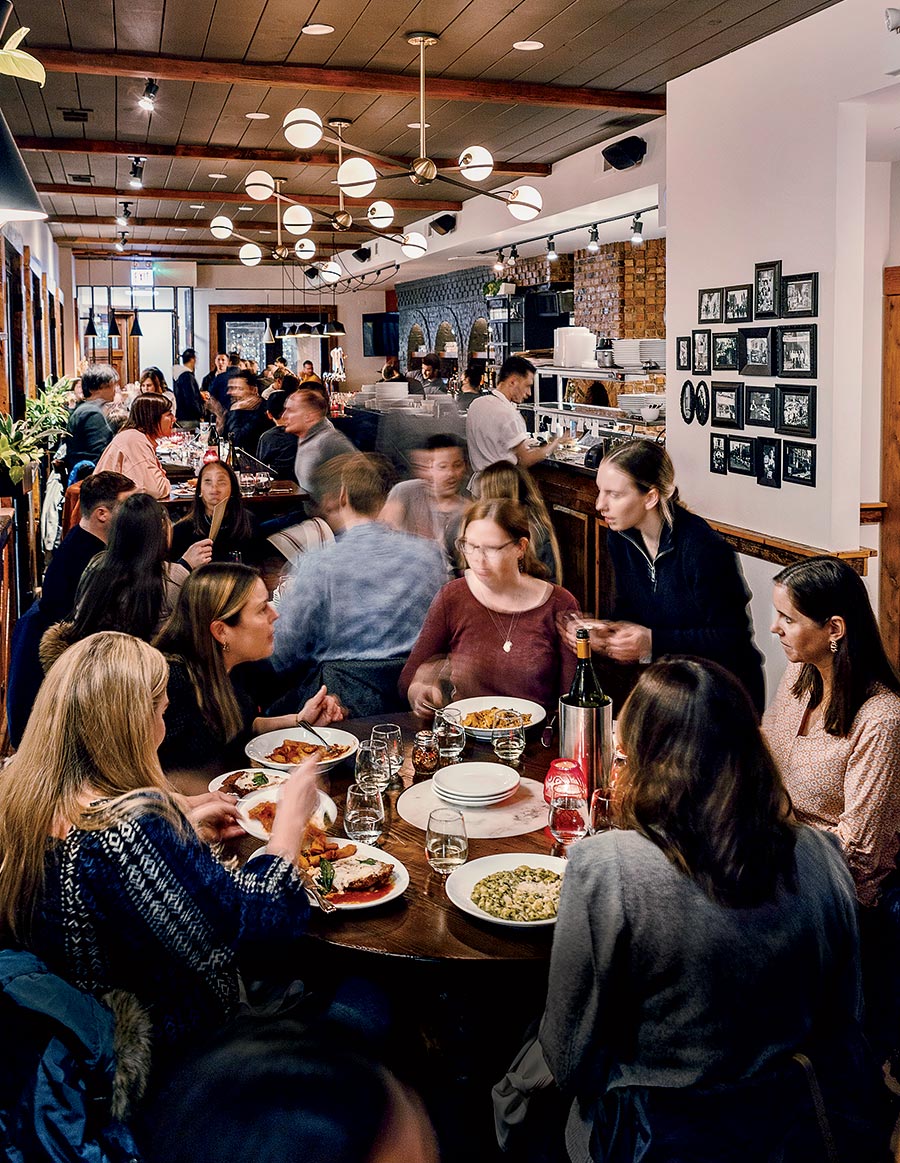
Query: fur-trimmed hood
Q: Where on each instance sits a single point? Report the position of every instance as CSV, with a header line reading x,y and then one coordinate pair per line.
x,y
55,642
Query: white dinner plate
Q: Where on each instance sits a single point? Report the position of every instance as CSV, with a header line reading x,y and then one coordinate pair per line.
x,y
476,780
263,745
323,817
463,802
462,880
484,703
273,778
398,887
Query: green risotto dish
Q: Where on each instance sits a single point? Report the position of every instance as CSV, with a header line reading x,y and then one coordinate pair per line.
x,y
519,894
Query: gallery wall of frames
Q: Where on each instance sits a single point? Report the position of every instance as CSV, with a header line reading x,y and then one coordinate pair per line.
x,y
748,334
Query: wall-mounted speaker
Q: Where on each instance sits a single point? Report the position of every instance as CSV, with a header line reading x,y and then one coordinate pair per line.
x,y
445,224
626,153
363,254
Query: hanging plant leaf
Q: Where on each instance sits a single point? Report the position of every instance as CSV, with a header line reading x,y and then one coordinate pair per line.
x,y
15,63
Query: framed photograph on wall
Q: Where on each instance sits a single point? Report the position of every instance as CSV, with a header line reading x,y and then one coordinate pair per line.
x,y
756,354
701,352
768,462
799,296
718,460
739,304
740,455
725,352
709,305
767,290
797,350
701,402
795,410
759,407
687,402
727,405
683,353
798,464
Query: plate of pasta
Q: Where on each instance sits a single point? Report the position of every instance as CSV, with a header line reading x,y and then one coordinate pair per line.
x,y
482,716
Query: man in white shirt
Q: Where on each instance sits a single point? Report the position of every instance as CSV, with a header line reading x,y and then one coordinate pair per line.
x,y
495,428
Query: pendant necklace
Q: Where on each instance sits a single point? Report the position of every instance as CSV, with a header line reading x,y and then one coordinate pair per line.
x,y
507,643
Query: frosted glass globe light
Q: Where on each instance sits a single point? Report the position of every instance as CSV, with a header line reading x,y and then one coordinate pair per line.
x,y
303,128
329,272
525,203
259,185
305,249
413,244
476,163
297,219
250,254
380,215
221,227
357,177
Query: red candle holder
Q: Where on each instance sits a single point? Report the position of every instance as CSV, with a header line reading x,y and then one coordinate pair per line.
x,y
564,772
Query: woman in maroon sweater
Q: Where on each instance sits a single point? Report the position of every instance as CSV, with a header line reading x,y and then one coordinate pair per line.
x,y
496,625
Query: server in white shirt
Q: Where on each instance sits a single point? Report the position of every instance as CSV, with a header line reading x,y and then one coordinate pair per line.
x,y
495,428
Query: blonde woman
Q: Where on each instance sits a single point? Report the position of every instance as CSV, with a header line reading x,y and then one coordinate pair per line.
x,y
105,879
132,450
504,481
223,618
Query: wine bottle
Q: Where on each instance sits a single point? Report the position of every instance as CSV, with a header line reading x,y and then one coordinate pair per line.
x,y
585,690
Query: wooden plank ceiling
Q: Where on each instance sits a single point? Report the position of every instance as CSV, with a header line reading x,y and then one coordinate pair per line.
x,y
199,126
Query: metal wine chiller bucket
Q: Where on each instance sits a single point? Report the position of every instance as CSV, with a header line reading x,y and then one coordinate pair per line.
x,y
586,735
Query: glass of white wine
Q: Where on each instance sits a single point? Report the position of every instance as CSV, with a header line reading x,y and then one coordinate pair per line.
x,y
569,818
509,740
363,813
446,842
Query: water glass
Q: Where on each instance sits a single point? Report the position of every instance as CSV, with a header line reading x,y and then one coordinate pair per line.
x,y
601,811
569,819
446,841
372,765
392,737
451,735
509,741
363,813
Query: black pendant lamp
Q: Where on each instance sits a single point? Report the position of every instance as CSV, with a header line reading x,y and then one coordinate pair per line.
x,y
334,328
90,332
19,201
135,331
304,329
114,331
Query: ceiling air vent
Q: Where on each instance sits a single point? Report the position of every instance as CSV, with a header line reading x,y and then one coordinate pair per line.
x,y
80,179
79,116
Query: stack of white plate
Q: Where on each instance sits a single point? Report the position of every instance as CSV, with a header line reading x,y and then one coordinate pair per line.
x,y
391,391
653,351
632,402
627,353
475,785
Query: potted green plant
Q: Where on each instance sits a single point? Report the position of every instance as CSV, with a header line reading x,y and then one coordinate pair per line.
x,y
24,442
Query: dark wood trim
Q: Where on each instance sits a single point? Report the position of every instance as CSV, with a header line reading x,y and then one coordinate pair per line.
x,y
227,153
889,589
294,312
781,552
891,281
101,62
7,614
872,512
75,190
109,220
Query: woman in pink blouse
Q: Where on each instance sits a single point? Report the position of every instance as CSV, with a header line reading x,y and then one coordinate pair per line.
x,y
496,625
132,450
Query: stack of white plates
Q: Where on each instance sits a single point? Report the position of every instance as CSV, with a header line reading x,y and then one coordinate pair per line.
x,y
475,785
627,353
391,391
632,402
653,351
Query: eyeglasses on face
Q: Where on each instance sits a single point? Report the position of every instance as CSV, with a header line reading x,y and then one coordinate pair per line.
x,y
490,552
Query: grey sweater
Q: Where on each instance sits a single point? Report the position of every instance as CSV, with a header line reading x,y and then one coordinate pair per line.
x,y
654,984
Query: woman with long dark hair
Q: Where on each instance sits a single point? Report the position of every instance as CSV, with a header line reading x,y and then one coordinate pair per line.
x,y
132,451
131,586
678,585
700,944
217,482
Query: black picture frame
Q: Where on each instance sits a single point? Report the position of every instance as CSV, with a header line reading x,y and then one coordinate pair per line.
x,y
740,455
687,402
759,406
718,454
797,342
727,405
795,410
701,403
798,464
750,341
683,353
710,305
725,351
800,296
701,367
768,462
738,304
767,290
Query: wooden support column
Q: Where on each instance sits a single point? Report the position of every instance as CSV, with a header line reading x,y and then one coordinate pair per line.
x,y
28,320
889,595
5,389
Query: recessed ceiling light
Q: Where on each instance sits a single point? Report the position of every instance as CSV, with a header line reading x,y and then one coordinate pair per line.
x,y
265,232
317,29
528,45
180,229
257,116
245,208
416,125
217,175
197,206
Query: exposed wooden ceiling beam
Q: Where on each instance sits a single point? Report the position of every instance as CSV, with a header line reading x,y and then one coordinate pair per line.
x,y
101,62
76,190
194,224
284,157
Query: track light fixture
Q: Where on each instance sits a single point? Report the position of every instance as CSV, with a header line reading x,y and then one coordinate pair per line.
x,y
124,214
148,99
637,227
500,263
136,179
552,256
594,244
120,242
513,255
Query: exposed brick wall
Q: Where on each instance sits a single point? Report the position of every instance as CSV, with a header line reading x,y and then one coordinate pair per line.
x,y
534,272
457,299
621,290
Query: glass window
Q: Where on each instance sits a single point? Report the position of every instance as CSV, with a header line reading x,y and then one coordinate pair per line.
x,y
245,336
120,297
164,298
143,298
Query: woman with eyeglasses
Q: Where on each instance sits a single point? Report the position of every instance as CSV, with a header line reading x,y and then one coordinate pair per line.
x,y
496,625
